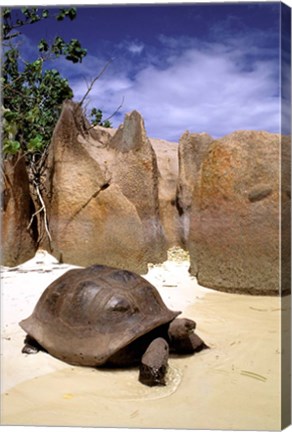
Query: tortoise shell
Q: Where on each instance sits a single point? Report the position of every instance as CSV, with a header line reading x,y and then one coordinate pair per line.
x,y
98,315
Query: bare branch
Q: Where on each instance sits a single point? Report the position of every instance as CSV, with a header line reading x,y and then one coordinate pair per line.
x,y
36,168
94,81
118,109
9,37
33,216
42,209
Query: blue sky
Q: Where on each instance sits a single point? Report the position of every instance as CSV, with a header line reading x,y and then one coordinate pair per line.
x,y
203,67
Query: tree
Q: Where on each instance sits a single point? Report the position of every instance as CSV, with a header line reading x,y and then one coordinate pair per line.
x,y
33,96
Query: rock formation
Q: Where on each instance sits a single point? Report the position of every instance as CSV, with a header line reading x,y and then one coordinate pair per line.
x,y
192,150
102,194
285,214
164,168
18,242
167,161
116,197
137,175
90,219
234,229
127,157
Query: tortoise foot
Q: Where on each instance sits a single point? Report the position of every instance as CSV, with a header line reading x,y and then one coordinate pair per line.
x,y
31,346
154,364
29,349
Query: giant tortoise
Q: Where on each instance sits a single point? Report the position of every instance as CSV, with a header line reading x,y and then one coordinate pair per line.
x,y
101,315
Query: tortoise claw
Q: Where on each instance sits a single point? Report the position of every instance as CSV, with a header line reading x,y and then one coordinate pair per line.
x,y
29,349
31,346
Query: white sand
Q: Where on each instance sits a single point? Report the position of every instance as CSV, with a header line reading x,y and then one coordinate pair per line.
x,y
233,385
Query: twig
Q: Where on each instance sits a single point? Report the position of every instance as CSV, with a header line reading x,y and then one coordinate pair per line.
x,y
94,80
33,216
42,209
45,214
13,35
114,113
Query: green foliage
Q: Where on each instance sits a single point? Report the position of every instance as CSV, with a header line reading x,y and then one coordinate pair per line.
x,y
32,95
96,119
11,146
70,13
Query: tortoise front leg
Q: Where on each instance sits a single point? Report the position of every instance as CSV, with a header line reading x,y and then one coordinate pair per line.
x,y
182,338
154,363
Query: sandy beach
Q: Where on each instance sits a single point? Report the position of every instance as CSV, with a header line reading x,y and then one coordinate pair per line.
x,y
233,385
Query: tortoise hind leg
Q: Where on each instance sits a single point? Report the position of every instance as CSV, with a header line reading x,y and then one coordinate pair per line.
x,y
31,346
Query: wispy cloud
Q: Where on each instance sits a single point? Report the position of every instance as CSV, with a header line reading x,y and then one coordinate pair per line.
x,y
211,87
135,48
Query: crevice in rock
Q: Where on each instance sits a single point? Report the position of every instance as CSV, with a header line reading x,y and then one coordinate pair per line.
x,y
179,208
33,229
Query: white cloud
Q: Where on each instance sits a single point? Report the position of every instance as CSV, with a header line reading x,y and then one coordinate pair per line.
x,y
208,88
135,48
